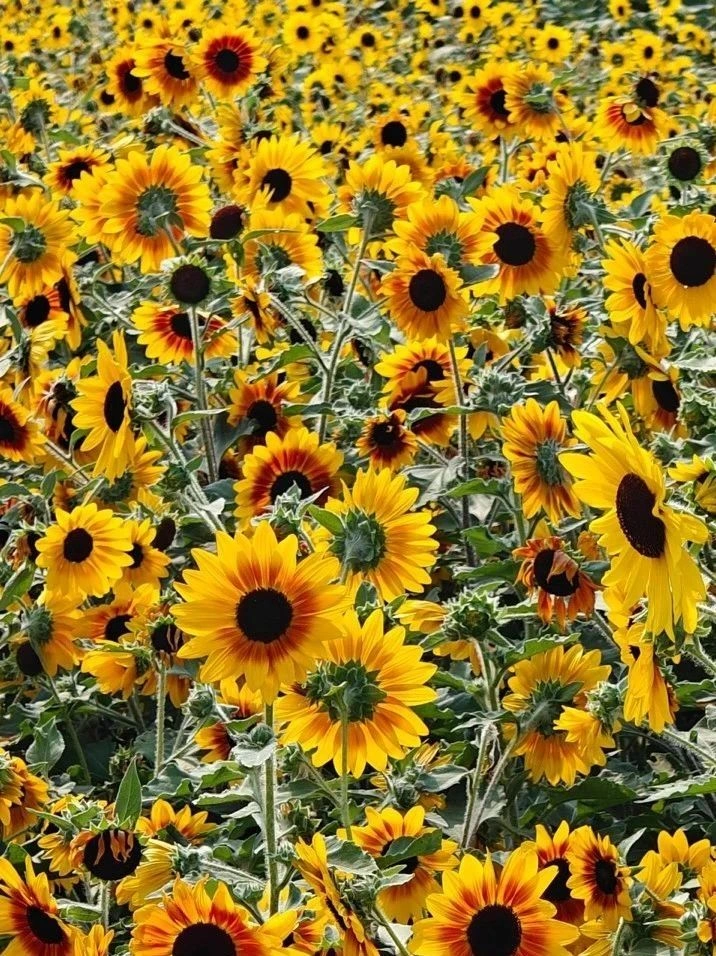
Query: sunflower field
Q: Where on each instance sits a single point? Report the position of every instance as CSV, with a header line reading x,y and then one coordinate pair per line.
x,y
357,478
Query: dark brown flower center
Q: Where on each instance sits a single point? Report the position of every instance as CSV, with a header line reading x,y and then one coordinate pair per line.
x,y
9,427
638,286
558,891
130,84
37,311
666,395
137,556
558,584
643,530
227,61
28,660
434,370
167,637
226,222
497,103
44,927
264,615
264,415
494,931
394,133
287,480
427,290
189,284
516,245
114,406
693,261
112,854
175,66
116,627
385,434
74,170
78,545
204,939
647,91
279,183
685,163
605,876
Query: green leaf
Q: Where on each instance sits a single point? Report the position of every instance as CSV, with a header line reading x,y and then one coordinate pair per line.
x,y
225,434
47,747
406,847
17,586
12,490
471,275
337,223
677,789
477,486
485,546
349,858
326,519
472,182
128,805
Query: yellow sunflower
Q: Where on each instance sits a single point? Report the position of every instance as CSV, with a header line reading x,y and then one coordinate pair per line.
x,y
127,89
681,266
598,877
563,589
381,539
71,163
35,240
378,191
534,106
51,626
630,304
485,100
649,698
253,611
228,62
166,69
533,439
20,436
166,333
424,297
284,173
279,240
480,909
552,851
642,534
21,794
626,123
439,226
387,442
84,552
29,915
103,406
385,680
572,182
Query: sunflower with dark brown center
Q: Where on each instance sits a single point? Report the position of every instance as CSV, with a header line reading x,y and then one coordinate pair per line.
x,y
644,537
598,877
681,266
228,62
424,297
165,70
493,912
29,915
563,589
20,436
387,442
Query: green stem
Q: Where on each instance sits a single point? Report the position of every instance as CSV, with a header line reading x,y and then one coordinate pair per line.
x,y
560,383
201,394
104,903
616,944
462,445
475,780
345,806
270,822
72,731
299,330
609,369
697,653
161,717
707,757
384,922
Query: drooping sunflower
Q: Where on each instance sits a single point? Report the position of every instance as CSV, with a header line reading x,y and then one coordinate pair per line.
x,y
84,551
71,163
643,535
529,259
630,305
424,297
51,627
96,943
20,436
29,915
166,69
405,902
189,921
312,864
572,181
681,266
253,300
543,687
439,226
649,698
377,191
552,851
253,611
108,854
485,101
271,469
563,588
35,240
566,332
285,173
242,702
598,877
385,680
674,851
21,794
228,62
147,200
166,333
533,440
534,106
103,406
280,240
381,540
387,442
480,910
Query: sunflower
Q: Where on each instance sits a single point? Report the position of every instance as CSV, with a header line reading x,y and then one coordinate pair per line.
x,y
253,300
598,877
21,793
253,611
481,912
164,66
439,227
552,851
566,332
121,668
701,473
649,698
35,240
189,921
377,192
148,204
381,540
543,687
387,442
285,173
533,439
406,901
274,468
534,106
681,265
572,182
166,333
242,702
126,87
148,563
485,101
158,867
630,305
384,680
685,860
628,123
262,404
51,627
67,169
529,260
103,406
228,62
312,863
96,943
563,589
20,436
84,552
424,297
29,915
642,534
278,241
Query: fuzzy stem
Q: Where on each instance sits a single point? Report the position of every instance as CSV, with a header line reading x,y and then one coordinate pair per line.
x,y
270,821
462,439
201,394
616,944
160,719
385,923
475,779
345,807
72,731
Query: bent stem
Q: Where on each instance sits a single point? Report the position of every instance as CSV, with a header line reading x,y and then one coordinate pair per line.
x,y
161,717
201,394
270,821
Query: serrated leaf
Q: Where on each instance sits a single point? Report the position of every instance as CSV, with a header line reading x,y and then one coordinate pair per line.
x,y
128,806
349,858
331,522
17,586
46,748
407,847
477,486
